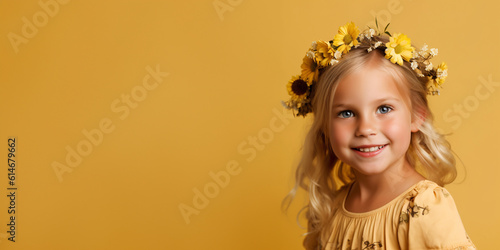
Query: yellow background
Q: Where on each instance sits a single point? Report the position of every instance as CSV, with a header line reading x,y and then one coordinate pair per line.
x,y
227,62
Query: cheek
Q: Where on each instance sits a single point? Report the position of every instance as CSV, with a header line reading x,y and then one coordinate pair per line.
x,y
339,134
398,130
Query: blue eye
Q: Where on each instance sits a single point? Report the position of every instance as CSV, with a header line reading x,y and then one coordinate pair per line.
x,y
345,114
384,109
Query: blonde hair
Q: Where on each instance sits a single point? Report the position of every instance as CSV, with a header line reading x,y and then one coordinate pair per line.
x,y
321,174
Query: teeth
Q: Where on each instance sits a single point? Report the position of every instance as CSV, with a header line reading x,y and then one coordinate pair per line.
x,y
369,149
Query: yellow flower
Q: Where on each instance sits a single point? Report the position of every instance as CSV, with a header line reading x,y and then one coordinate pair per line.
x,y
298,89
346,37
441,73
324,53
309,70
399,48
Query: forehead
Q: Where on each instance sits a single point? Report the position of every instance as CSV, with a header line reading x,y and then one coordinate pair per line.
x,y
367,83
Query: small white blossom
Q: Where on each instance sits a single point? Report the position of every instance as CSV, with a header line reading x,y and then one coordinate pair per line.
x,y
314,45
377,44
434,52
369,49
429,67
424,48
338,54
361,36
333,62
442,73
310,54
414,65
424,51
371,32
420,75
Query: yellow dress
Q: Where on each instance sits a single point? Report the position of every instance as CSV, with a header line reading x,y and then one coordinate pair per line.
x,y
423,217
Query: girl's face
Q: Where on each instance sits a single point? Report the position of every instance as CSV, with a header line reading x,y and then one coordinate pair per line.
x,y
371,122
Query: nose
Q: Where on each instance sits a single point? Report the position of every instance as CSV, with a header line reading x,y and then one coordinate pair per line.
x,y
366,126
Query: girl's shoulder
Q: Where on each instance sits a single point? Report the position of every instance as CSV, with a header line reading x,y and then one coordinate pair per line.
x,y
429,219
423,197
427,190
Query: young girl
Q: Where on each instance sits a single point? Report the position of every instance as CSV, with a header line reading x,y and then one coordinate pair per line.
x,y
373,165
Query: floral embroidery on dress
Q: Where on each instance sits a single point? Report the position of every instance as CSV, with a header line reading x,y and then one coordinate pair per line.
x,y
413,209
367,245
445,193
373,245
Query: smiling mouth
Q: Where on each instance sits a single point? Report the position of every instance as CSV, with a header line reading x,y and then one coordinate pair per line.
x,y
369,149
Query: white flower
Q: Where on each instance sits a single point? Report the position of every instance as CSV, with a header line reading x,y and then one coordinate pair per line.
x,y
442,73
310,54
333,61
424,51
377,44
424,48
434,52
429,67
369,49
338,54
420,75
314,45
414,65
371,32
367,34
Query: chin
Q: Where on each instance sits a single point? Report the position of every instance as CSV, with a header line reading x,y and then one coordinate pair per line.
x,y
369,171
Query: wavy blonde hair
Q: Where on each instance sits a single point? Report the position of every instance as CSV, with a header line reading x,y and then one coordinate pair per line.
x,y
321,174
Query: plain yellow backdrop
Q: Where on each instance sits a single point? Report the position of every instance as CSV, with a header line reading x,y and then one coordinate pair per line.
x,y
158,124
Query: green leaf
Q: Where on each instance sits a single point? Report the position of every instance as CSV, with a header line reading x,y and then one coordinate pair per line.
x,y
387,32
376,23
385,29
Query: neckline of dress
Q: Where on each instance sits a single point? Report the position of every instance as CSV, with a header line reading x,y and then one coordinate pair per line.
x,y
376,210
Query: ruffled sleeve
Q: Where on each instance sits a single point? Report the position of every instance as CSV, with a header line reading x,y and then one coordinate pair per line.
x,y
429,220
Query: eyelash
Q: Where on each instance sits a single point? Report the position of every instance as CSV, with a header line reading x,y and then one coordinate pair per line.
x,y
342,113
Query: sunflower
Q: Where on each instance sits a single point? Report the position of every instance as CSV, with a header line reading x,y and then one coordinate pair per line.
x,y
324,53
441,73
309,70
298,89
346,37
399,48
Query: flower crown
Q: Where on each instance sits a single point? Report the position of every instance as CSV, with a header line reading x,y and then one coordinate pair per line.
x,y
323,54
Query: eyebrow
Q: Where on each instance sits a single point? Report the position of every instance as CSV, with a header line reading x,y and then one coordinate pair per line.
x,y
380,100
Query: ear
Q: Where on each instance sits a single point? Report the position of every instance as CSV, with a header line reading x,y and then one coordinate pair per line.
x,y
418,118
